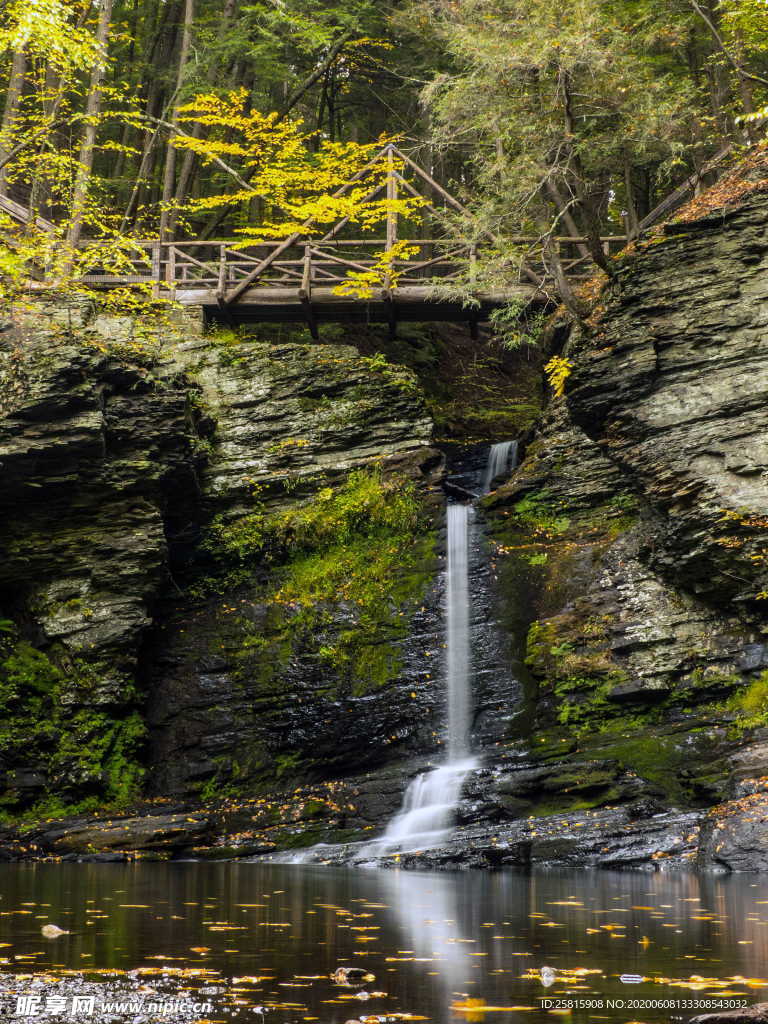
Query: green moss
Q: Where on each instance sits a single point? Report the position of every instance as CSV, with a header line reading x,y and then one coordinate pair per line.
x,y
360,554
542,514
583,700
48,722
658,759
577,668
336,580
393,373
751,706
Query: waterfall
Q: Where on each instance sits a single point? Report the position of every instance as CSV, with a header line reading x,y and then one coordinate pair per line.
x,y
429,803
426,816
501,458
457,659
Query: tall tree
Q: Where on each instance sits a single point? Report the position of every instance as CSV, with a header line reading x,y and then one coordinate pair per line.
x,y
167,214
10,109
91,120
557,106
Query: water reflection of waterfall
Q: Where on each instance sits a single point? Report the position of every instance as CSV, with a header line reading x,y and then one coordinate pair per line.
x,y
427,910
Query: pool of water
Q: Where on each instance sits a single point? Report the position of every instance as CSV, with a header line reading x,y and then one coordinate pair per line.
x,y
440,947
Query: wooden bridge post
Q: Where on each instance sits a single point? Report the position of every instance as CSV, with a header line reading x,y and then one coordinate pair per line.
x,y
221,286
170,271
305,294
156,265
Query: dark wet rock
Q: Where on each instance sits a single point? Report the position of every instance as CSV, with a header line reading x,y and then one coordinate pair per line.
x,y
735,834
101,838
454,490
150,832
605,838
757,1014
673,390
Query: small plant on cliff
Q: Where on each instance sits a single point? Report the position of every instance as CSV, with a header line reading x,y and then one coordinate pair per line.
x,y
558,370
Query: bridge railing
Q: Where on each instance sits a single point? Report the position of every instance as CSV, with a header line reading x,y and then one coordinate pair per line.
x,y
217,266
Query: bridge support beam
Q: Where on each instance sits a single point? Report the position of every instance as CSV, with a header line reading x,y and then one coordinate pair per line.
x,y
389,305
309,316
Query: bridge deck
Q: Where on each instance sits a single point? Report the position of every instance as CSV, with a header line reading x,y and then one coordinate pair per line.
x,y
406,303
320,281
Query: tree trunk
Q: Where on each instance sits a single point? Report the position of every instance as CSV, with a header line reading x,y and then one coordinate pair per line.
x,y
92,108
562,208
169,216
563,287
12,97
633,221
578,182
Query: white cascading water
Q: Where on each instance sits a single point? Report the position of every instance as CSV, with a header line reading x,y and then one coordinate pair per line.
x,y
426,816
457,658
501,458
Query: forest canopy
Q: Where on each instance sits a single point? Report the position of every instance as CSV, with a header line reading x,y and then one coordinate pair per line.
x,y
206,119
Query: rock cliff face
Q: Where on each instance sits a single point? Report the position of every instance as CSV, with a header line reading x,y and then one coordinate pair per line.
x,y
97,460
674,392
167,505
641,512
247,683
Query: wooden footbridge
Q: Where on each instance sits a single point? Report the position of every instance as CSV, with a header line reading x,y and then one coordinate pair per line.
x,y
306,277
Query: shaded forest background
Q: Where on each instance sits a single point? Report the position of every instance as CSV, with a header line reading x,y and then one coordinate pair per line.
x,y
218,118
